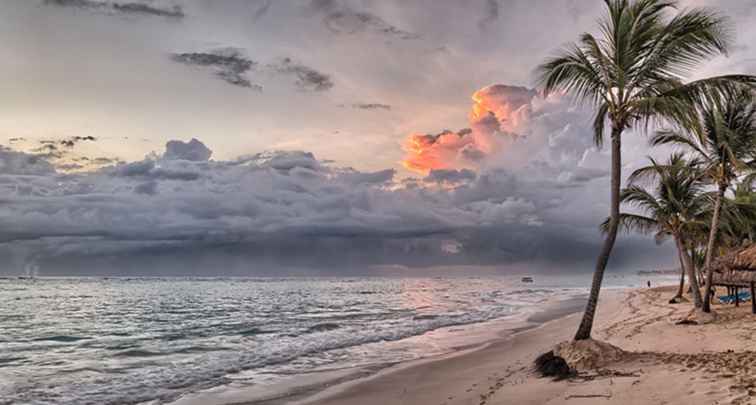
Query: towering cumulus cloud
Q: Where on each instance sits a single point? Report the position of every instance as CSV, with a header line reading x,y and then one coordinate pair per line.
x,y
500,114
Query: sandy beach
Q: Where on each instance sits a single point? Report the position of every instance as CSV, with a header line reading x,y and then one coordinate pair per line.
x,y
664,363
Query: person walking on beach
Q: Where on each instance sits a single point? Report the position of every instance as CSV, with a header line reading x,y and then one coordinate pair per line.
x,y
649,283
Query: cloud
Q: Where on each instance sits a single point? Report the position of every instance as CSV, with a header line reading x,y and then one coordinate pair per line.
x,y
512,127
308,78
450,176
511,210
491,14
262,8
194,150
229,64
232,66
148,188
179,212
371,106
281,160
72,141
146,9
126,8
152,170
500,114
340,18
61,153
19,163
380,177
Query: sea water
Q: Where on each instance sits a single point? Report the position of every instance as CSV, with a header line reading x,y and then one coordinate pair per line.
x,y
156,340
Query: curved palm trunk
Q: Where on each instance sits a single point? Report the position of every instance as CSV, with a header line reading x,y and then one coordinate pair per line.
x,y
586,324
710,246
681,289
688,266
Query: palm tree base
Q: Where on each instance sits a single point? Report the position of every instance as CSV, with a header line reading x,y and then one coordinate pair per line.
x,y
588,354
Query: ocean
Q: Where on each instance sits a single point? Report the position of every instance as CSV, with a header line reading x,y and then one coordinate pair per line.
x,y
169,340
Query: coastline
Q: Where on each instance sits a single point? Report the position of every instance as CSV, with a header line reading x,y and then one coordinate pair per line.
x,y
307,388
663,362
459,378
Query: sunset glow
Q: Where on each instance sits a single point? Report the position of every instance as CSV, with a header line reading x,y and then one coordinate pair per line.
x,y
497,116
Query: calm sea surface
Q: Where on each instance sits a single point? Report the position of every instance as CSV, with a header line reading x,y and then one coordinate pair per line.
x,y
149,340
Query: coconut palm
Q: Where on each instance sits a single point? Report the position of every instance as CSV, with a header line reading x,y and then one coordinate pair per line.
x,y
737,218
725,141
741,227
673,209
632,73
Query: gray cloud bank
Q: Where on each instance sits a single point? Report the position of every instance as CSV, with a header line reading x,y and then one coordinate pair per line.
x,y
280,212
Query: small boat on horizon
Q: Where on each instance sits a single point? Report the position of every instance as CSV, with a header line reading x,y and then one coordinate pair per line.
x,y
527,279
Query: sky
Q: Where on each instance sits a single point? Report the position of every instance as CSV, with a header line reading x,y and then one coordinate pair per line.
x,y
309,137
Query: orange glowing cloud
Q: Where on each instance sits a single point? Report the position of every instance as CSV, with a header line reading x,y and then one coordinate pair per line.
x,y
427,152
498,113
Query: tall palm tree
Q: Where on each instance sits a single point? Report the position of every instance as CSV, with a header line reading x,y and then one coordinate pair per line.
x,y
725,141
632,73
675,208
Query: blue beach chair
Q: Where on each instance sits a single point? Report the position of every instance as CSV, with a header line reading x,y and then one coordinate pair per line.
x,y
729,299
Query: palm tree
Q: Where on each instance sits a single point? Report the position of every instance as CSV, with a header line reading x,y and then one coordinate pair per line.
x,y
740,227
725,141
632,73
675,208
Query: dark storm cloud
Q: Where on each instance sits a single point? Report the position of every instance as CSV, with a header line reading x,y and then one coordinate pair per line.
x,y
308,79
127,8
341,18
273,209
229,64
148,188
371,106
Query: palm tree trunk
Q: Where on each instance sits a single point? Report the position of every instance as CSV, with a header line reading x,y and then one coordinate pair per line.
x,y
700,276
710,246
681,289
688,266
586,324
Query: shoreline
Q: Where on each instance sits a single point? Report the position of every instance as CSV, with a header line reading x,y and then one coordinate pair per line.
x,y
661,362
308,387
378,389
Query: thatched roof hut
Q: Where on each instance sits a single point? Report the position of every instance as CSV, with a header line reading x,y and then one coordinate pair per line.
x,y
737,268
